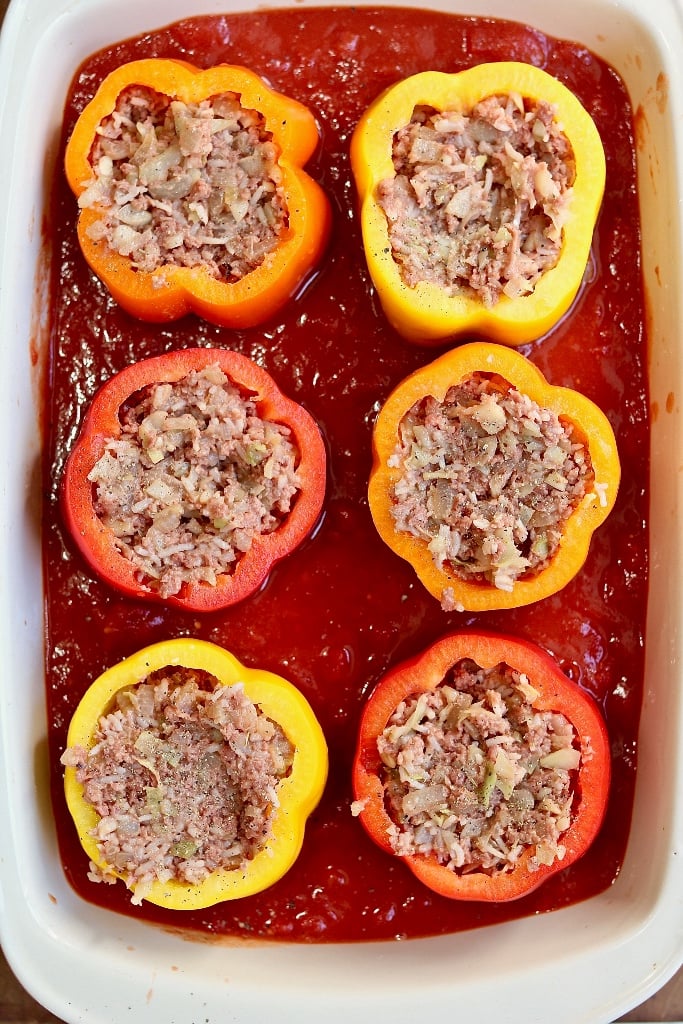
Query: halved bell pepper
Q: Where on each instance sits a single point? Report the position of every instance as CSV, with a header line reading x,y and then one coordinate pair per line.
x,y
554,693
591,426
425,314
98,543
171,291
298,792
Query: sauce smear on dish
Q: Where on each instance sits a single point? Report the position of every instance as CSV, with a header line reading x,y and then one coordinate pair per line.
x,y
343,609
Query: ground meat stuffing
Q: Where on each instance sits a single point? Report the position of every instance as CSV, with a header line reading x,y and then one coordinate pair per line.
x,y
478,202
195,476
488,479
186,184
184,774
474,775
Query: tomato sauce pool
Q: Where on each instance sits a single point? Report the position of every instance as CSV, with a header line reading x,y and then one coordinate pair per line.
x,y
343,608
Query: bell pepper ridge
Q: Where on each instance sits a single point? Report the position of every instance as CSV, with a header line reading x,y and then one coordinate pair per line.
x,y
170,292
98,544
556,692
426,314
588,420
299,792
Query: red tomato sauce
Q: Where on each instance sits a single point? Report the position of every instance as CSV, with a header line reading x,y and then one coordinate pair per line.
x,y
341,610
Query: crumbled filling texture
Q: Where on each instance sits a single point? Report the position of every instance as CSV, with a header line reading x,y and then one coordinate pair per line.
x,y
475,776
186,184
184,775
479,200
195,476
488,478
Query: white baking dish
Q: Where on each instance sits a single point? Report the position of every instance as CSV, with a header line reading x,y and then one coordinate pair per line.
x,y
588,963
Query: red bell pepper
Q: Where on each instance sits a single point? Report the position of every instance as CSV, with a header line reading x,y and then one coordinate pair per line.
x,y
97,541
554,692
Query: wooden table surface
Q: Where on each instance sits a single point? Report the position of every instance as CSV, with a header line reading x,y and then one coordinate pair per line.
x,y
18,1007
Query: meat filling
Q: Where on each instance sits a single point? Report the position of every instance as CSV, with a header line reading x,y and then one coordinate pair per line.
x,y
475,776
195,476
488,479
186,184
479,200
184,774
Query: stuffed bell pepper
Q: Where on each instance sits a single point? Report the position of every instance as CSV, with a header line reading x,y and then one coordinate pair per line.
x,y
489,480
191,777
482,766
479,193
192,192
192,476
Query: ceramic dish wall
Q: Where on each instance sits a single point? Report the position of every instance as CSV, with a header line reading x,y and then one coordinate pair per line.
x,y
608,953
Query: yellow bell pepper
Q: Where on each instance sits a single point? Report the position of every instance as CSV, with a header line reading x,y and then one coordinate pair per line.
x,y
425,314
298,792
588,421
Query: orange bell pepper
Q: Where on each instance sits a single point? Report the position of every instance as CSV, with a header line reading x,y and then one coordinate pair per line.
x,y
588,421
170,291
426,314
97,542
298,792
554,693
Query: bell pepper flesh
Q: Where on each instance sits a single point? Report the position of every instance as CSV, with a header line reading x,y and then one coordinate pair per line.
x,y
299,792
170,291
555,693
98,544
589,421
425,314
